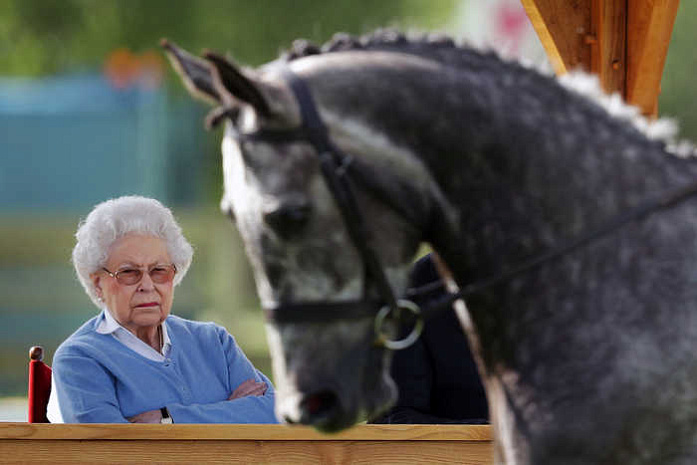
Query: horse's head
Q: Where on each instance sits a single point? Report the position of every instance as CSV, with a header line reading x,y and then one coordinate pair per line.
x,y
329,370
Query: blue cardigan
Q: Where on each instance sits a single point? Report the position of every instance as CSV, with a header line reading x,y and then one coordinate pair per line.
x,y
99,380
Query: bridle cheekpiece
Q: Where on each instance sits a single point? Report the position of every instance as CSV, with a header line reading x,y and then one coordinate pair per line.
x,y
334,165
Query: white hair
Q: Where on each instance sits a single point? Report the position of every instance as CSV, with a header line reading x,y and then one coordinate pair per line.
x,y
115,218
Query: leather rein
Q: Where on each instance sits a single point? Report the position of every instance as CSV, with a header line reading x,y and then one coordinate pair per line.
x,y
335,165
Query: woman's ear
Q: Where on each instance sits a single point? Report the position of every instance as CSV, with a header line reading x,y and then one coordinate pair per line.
x,y
97,283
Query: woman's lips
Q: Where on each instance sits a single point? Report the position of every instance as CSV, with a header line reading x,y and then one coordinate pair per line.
x,y
148,304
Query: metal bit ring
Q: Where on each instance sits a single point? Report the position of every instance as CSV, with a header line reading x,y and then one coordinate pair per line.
x,y
399,344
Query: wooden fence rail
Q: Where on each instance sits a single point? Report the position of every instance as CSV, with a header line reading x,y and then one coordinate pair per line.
x,y
272,444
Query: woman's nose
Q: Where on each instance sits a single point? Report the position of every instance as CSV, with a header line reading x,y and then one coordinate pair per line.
x,y
146,283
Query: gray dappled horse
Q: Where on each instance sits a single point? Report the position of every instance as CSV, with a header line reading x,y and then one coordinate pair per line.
x,y
587,357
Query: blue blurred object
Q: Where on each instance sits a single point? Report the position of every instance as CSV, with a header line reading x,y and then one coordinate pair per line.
x,y
66,95
67,143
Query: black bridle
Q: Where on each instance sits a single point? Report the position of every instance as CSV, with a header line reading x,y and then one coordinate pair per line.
x,y
334,165
335,169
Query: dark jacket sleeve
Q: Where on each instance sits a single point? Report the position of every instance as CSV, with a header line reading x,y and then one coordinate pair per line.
x,y
411,372
436,377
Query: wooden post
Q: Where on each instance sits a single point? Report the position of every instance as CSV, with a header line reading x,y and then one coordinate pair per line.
x,y
609,49
649,27
563,26
624,42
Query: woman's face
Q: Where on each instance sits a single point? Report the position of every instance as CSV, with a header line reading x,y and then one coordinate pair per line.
x,y
142,305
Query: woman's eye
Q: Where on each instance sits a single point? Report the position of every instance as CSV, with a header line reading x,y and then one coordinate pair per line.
x,y
159,271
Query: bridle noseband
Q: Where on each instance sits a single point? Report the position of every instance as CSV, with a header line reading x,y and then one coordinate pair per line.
x,y
335,167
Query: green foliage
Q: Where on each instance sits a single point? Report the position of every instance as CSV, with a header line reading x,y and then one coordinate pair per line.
x,y
678,90
53,36
43,37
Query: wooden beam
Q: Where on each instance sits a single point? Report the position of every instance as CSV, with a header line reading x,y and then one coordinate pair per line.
x,y
649,27
207,432
609,44
563,27
623,42
263,444
584,34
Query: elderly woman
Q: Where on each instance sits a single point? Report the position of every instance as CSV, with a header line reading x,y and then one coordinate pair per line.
x,y
134,361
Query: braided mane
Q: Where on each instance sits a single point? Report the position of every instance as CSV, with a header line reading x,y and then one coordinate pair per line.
x,y
443,49
434,46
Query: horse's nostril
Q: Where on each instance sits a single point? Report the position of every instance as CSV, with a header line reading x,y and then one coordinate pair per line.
x,y
321,403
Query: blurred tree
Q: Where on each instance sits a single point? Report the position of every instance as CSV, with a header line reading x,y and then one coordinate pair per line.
x,y
55,36
43,37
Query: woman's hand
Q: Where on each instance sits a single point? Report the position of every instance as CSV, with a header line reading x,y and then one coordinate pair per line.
x,y
151,416
249,388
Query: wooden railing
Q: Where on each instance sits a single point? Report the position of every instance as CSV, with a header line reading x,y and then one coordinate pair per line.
x,y
272,444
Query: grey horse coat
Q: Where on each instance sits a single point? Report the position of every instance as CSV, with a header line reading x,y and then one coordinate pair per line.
x,y
589,358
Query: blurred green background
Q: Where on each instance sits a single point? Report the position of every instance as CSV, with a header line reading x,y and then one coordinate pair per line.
x,y
89,110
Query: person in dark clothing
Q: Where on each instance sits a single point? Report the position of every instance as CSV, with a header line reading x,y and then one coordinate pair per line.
x,y
437,376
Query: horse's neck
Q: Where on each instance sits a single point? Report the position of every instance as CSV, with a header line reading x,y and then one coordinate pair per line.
x,y
525,163
530,165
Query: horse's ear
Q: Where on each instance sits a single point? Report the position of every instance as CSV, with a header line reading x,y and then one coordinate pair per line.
x,y
229,81
196,73
216,79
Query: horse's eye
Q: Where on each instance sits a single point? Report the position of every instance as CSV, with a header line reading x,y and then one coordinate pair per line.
x,y
289,218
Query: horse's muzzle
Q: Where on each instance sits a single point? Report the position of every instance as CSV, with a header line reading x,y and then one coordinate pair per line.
x,y
324,411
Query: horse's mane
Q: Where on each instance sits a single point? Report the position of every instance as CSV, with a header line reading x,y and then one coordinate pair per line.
x,y
434,46
443,49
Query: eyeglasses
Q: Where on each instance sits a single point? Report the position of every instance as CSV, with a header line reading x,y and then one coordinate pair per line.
x,y
159,274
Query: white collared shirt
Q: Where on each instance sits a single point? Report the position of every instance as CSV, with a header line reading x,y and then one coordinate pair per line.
x,y
109,325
